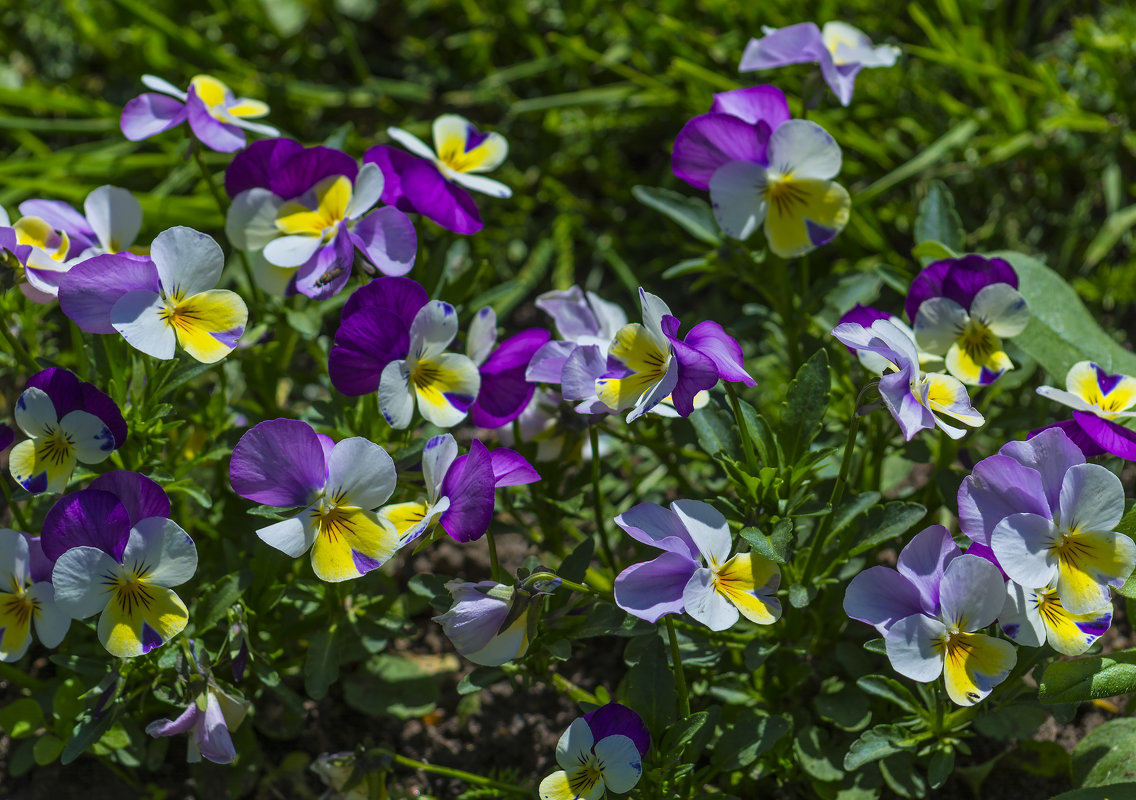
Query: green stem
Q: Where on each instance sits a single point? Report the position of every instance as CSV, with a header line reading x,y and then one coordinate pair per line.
x,y
743,428
22,355
450,772
16,513
574,692
821,538
597,499
680,676
494,564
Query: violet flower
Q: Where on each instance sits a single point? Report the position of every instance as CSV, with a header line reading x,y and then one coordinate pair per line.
x,y
873,362
504,392
310,209
1099,400
475,623
26,596
841,50
110,222
217,118
601,751
37,252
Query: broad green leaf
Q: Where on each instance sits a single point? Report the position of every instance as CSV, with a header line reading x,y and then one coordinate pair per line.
x,y
775,545
852,508
876,743
847,709
401,687
21,718
938,221
479,679
901,776
891,690
1107,755
811,748
884,523
1115,791
716,431
321,666
804,406
1011,722
683,731
932,251
693,214
88,730
651,688
47,749
749,737
940,767
1088,678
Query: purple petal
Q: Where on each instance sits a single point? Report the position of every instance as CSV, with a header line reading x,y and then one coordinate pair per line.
x,y
982,551
923,561
547,364
927,284
7,436
795,44
387,238
469,484
584,366
215,742
151,639
278,462
1077,435
62,387
139,495
652,589
881,597
570,312
968,275
712,341
998,486
505,391
304,169
400,297
327,272
211,133
754,104
618,720
89,290
708,141
89,517
863,315
841,78
63,217
97,402
912,416
39,565
510,468
1109,436
149,114
259,164
696,372
1051,453
415,185
165,727
365,343
660,527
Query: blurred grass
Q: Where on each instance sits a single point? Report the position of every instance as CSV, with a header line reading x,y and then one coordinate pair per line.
x,y
1023,109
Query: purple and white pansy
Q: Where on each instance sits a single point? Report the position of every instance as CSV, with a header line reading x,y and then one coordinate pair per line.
x,y
27,597
1100,401
475,623
601,751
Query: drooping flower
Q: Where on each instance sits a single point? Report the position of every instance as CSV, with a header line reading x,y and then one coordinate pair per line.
x,y
1098,399
442,385
110,222
475,623
873,362
159,302
285,463
601,751
68,421
841,50
215,115
504,392
695,573
1050,519
459,489
762,168
122,569
26,596
310,209
963,308
914,398
929,611
433,181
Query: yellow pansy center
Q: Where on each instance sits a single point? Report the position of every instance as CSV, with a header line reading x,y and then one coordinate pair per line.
x,y
978,341
424,374
1049,606
332,519
18,605
318,213
39,233
454,156
586,777
180,315
55,446
783,193
221,104
131,591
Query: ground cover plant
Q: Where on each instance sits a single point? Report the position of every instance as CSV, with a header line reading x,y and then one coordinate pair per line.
x,y
567,400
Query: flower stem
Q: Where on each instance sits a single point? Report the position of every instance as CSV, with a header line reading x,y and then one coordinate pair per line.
x,y
821,538
22,355
494,564
597,499
450,772
680,676
743,428
17,515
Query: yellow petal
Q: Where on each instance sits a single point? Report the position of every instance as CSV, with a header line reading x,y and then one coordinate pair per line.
x,y
974,664
43,465
248,109
351,542
139,617
332,196
210,90
804,214
741,577
208,324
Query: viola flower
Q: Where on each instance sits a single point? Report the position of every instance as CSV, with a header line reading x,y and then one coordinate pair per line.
x,y
433,181
929,611
841,50
1098,399
914,398
443,385
873,362
601,751
695,573
475,623
763,168
310,209
123,571
459,489
504,392
374,330
215,115
1032,617
26,596
69,421
963,308
284,463
37,252
110,222
159,302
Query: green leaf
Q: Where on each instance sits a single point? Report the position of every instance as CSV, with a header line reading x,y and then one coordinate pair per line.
x,y
932,251
1107,755
575,566
400,687
774,546
321,666
804,406
1115,226
940,767
651,688
693,214
716,431
847,709
47,749
876,743
1011,722
87,731
938,221
1089,678
891,690
801,595
876,646
887,522
749,737
683,731
810,746
1061,330
900,775
21,717
480,678
1115,791
852,508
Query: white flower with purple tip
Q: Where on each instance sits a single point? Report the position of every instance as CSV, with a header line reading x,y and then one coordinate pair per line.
x,y
44,462
1100,402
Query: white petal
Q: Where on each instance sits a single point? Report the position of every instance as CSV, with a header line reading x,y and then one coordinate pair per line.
x,y
81,578
367,191
479,183
255,127
411,143
707,527
938,324
159,547
609,316
705,604
396,399
482,335
91,437
188,261
737,193
115,216
137,316
163,86
360,473
437,456
434,327
293,536
1002,308
803,149
1024,546
911,648
1020,618
654,309
622,764
1066,399
14,555
1092,499
51,624
251,221
291,251
972,593
35,413
575,745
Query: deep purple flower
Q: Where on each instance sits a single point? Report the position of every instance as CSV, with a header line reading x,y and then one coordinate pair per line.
x,y
504,392
1099,400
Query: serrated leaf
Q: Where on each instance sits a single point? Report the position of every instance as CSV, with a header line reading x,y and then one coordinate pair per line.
x,y
805,404
716,431
693,214
887,522
1089,678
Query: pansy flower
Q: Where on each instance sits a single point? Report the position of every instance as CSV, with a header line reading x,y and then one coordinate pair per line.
x,y
475,623
433,181
762,168
310,209
120,568
339,486
930,610
841,50
504,392
1033,617
159,302
68,421
963,308
601,751
110,222
37,252
873,362
442,385
374,330
26,597
1099,400
914,398
459,489
695,573
217,118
